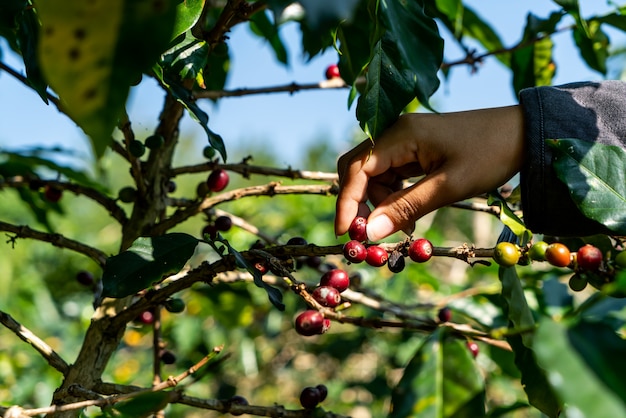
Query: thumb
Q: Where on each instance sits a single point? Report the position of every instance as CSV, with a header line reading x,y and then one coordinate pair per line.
x,y
401,209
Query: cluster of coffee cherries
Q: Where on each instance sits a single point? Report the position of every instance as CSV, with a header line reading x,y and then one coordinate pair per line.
x,y
311,396
589,263
357,250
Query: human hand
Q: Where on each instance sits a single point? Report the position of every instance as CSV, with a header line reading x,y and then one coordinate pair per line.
x,y
459,155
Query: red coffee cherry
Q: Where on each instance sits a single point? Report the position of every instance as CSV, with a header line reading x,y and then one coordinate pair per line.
x,y
52,193
473,348
217,180
376,256
336,278
558,255
444,314
332,71
354,251
589,257
326,296
309,323
421,250
358,229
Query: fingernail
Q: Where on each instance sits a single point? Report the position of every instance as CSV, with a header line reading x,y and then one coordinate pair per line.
x,y
379,227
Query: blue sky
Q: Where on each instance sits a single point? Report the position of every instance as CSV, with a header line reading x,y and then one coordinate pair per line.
x,y
287,122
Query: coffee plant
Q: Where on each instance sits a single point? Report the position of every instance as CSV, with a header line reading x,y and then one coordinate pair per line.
x,y
161,283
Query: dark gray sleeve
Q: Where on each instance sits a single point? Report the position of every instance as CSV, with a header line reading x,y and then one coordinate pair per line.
x,y
594,112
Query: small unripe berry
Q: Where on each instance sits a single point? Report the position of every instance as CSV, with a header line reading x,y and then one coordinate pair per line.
x,y
444,314
174,305
208,152
336,278
506,254
376,256
309,323
52,193
127,194
310,397
297,241
558,255
358,229
577,282
589,257
620,260
223,223
421,250
167,357
354,251
332,71
218,180
136,148
326,296
154,141
537,251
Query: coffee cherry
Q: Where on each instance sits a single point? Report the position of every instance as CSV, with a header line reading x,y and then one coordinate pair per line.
x,y
261,266
506,254
326,296
444,314
154,141
167,357
52,193
313,261
358,229
85,278
537,251
208,152
620,259
309,323
354,251
325,325
332,71
127,194
174,305
171,186
589,257
223,223
310,397
210,230
297,241
323,392
336,278
473,348
136,148
202,189
577,282
421,250
376,256
558,255
217,180
146,317
396,262
237,400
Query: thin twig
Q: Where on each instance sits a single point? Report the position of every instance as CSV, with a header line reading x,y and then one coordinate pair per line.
x,y
246,169
37,343
335,83
57,240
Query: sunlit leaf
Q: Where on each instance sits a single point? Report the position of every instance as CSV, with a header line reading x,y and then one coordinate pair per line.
x,y
91,52
597,188
593,45
146,261
508,217
187,14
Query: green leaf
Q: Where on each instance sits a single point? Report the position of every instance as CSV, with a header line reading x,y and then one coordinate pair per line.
x,y
509,218
91,52
441,380
10,13
143,405
595,181
593,45
146,261
575,380
188,13
388,89
320,15
516,309
419,45
262,26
